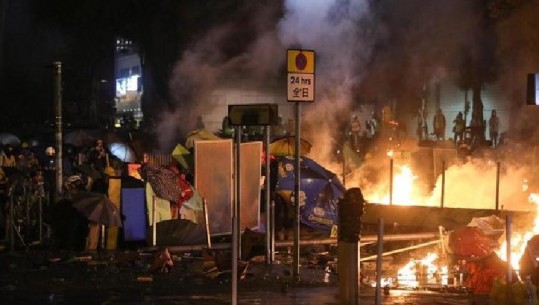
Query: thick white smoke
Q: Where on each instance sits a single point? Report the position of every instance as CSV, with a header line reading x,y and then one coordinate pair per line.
x,y
332,29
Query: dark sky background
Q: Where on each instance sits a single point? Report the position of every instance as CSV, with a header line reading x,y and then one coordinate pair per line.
x,y
366,50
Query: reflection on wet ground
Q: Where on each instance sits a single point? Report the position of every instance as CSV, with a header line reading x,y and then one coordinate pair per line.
x,y
294,296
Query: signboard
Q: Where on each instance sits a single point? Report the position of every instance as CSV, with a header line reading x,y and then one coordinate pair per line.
x,y
300,80
253,114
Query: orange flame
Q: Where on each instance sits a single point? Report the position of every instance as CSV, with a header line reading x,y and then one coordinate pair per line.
x,y
421,272
403,188
520,240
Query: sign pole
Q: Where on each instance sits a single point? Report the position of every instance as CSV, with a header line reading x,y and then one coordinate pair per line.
x,y
235,217
267,196
58,127
300,88
297,173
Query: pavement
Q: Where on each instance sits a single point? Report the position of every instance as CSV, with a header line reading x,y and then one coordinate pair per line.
x,y
38,276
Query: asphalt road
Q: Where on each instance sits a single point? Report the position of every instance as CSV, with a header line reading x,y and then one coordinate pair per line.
x,y
26,278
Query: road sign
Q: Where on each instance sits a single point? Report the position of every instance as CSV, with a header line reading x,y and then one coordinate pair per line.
x,y
300,87
300,81
253,114
300,61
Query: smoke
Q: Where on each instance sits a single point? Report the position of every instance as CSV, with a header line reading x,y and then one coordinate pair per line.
x,y
245,46
365,51
331,28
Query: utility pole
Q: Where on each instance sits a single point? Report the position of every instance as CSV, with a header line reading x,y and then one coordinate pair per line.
x,y
57,65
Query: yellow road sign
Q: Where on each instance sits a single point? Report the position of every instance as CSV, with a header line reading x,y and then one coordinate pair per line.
x,y
300,61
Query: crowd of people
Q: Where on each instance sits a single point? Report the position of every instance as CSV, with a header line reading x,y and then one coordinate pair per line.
x,y
26,177
459,129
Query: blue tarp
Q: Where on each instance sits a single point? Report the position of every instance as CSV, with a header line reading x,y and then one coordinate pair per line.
x,y
320,191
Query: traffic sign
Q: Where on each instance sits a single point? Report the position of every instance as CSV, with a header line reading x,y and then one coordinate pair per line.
x,y
300,61
300,87
300,81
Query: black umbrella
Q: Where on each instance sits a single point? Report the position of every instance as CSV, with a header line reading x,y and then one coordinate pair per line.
x,y
79,138
9,139
163,181
98,208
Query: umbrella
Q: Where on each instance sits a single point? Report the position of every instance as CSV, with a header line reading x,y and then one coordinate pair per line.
x,y
122,151
199,134
98,208
287,146
163,181
7,138
79,138
190,196
182,155
320,190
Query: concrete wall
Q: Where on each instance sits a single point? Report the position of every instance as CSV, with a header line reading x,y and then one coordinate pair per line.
x,y
242,91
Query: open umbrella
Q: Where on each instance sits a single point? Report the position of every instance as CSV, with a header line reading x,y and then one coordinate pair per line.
x,y
98,208
182,155
7,138
163,181
286,146
320,190
79,138
122,151
199,134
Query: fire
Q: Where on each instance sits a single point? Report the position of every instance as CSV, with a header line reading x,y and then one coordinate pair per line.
x,y
417,273
421,272
519,240
403,188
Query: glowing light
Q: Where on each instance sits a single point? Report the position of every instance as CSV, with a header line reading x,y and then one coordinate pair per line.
x,y
403,188
421,272
520,240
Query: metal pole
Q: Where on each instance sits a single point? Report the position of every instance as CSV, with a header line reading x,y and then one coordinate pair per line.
x,y
509,276
267,196
297,193
154,222
27,230
272,232
40,219
11,223
343,167
378,294
237,207
58,126
103,236
443,185
235,218
207,225
417,246
391,181
497,185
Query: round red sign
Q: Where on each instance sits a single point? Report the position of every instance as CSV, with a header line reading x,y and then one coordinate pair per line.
x,y
301,61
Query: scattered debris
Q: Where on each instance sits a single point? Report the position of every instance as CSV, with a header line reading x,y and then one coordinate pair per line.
x,y
162,261
144,278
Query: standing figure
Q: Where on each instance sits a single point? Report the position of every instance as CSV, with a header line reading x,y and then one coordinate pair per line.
x,y
459,127
372,125
98,156
200,123
494,127
438,124
227,130
422,129
354,132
